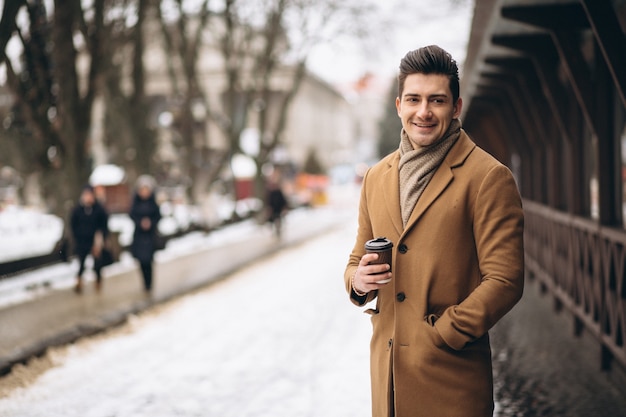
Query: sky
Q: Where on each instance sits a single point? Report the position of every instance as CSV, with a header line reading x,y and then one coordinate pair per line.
x,y
443,22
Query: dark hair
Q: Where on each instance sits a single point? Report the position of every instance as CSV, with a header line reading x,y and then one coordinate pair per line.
x,y
429,60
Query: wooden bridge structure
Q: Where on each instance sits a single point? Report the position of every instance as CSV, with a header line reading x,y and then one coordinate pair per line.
x,y
544,89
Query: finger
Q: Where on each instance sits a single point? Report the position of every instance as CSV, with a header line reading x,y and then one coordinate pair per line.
x,y
367,258
372,281
378,269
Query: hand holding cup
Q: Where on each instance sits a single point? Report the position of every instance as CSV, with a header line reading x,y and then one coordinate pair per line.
x,y
383,248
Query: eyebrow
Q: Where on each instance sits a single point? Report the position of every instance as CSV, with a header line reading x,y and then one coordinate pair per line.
x,y
430,96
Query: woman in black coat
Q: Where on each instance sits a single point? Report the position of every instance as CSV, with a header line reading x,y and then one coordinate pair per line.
x,y
145,213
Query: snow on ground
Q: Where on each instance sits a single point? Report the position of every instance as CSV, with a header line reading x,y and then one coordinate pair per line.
x,y
278,338
26,232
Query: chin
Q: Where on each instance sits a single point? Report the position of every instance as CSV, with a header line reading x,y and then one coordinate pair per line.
x,y
423,142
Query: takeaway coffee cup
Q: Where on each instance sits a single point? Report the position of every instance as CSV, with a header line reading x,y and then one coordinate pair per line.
x,y
382,246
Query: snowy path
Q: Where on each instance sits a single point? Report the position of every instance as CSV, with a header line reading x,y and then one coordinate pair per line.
x,y
278,338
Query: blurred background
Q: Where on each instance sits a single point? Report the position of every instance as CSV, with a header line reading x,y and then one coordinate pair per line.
x,y
210,97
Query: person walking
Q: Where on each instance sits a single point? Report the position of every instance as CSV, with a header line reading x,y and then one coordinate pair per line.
x,y
89,228
455,217
145,214
276,204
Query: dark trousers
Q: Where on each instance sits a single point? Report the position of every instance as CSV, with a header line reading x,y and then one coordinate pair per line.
x,y
146,272
81,266
275,220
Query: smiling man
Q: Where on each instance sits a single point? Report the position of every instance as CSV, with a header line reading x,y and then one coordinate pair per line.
x,y
455,217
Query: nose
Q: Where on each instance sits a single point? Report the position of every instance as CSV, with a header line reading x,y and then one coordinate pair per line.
x,y
423,111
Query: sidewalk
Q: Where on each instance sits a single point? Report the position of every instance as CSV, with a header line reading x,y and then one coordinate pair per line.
x,y
56,315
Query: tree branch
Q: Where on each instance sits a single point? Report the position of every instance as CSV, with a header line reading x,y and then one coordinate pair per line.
x,y
7,24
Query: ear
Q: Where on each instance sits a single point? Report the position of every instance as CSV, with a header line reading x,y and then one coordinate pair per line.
x,y
457,108
398,106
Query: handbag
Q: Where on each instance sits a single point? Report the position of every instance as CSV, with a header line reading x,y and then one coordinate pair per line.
x,y
159,241
104,259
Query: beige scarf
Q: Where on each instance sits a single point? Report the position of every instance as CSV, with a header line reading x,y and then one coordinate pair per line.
x,y
417,166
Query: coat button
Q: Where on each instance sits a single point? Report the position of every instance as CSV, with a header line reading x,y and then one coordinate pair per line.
x,y
403,248
400,296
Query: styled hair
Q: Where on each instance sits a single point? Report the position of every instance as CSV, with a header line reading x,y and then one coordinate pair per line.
x,y
429,60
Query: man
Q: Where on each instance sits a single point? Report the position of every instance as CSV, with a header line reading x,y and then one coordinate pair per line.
x,y
454,214
89,226
276,204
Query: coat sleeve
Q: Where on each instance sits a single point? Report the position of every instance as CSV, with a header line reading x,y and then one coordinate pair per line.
x,y
498,226
155,217
133,214
364,233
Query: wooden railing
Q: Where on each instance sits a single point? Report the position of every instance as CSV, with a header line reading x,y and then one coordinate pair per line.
x,y
583,265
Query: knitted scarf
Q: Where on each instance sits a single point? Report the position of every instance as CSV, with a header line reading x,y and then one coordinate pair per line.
x,y
417,166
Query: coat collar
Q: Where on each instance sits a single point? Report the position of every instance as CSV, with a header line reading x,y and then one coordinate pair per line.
x,y
438,183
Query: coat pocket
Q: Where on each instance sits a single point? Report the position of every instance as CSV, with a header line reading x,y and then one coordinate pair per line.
x,y
432,331
431,319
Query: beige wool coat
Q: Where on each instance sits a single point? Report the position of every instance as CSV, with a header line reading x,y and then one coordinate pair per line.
x,y
457,269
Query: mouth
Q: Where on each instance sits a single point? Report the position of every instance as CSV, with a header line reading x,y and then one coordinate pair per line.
x,y
424,125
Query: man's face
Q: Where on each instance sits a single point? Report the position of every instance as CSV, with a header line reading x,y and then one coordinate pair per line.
x,y
426,108
87,198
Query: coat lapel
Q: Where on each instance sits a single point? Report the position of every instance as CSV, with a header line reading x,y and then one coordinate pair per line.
x,y
443,176
392,192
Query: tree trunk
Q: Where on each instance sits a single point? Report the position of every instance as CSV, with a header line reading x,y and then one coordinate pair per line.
x,y
143,135
72,120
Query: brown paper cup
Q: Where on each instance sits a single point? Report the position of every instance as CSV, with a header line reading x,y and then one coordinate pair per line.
x,y
383,247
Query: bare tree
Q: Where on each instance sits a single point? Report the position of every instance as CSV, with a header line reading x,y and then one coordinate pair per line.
x,y
71,55
183,36
261,44
49,98
86,51
266,40
130,136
